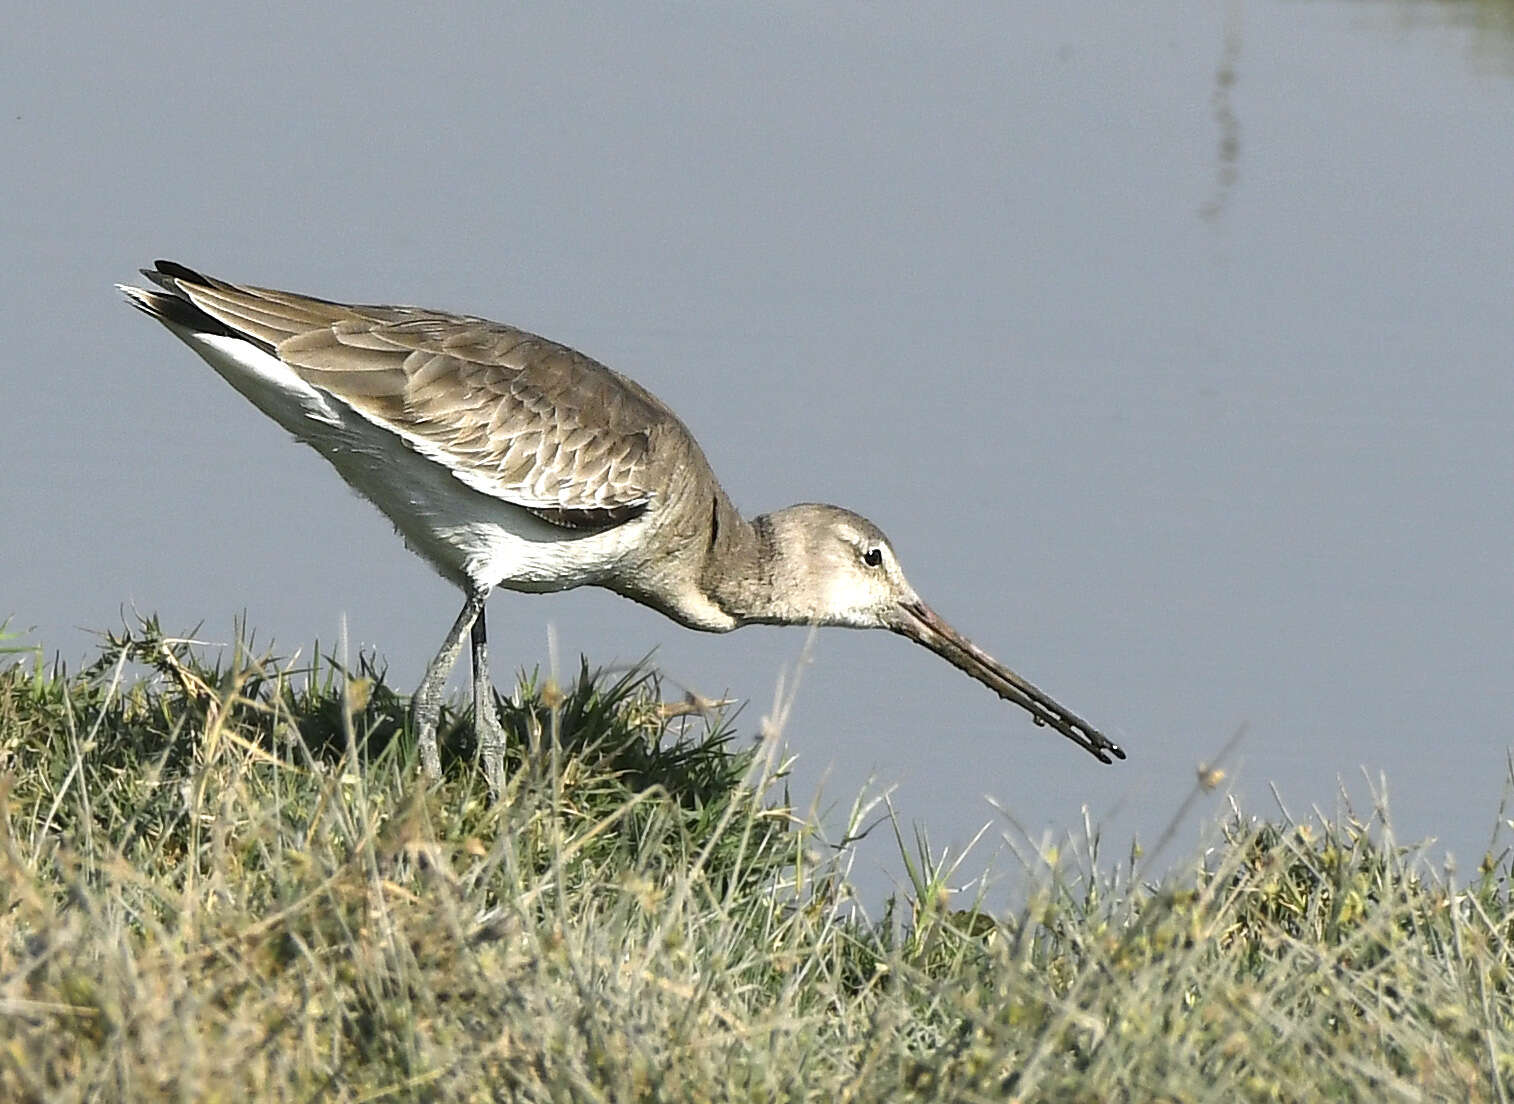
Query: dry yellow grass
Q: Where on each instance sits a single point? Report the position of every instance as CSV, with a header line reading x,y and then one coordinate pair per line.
x,y
229,884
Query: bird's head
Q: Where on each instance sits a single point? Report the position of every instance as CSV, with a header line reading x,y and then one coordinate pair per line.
x,y
833,567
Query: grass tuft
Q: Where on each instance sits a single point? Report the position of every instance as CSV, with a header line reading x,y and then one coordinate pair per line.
x,y
226,880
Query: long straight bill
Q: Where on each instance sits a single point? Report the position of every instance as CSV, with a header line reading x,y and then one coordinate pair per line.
x,y
924,626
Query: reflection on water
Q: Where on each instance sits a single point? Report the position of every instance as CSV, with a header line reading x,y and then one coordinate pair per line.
x,y
1227,169
1490,30
1489,24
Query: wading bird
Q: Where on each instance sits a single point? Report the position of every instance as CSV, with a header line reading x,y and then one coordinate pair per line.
x,y
507,460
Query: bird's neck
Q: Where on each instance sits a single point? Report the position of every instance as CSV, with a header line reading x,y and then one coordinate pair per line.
x,y
746,568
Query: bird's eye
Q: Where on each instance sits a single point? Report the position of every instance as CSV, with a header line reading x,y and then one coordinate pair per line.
x,y
873,557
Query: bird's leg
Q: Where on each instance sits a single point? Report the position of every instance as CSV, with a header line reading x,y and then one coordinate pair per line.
x,y
426,704
491,735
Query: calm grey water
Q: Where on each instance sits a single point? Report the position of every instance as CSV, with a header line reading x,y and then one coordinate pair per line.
x,y
1171,344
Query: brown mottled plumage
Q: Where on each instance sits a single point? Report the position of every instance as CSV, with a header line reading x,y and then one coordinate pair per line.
x,y
514,415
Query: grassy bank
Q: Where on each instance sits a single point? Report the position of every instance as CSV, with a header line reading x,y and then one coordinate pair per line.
x,y
227,882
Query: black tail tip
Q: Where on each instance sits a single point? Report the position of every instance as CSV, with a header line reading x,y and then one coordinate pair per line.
x,y
172,270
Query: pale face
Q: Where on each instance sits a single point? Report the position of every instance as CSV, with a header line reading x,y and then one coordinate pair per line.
x,y
861,584
854,579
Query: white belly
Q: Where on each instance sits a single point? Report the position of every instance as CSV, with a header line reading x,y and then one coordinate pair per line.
x,y
465,534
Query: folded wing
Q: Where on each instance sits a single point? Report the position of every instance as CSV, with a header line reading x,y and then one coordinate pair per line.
x,y
511,414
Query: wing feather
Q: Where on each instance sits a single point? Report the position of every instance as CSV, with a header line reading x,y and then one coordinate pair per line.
x,y
513,415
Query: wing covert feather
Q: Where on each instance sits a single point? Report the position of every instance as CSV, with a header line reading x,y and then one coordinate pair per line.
x,y
513,415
